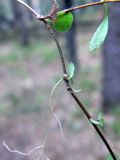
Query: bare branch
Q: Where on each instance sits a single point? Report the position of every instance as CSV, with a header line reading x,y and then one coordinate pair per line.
x,y
27,6
90,5
53,10
55,7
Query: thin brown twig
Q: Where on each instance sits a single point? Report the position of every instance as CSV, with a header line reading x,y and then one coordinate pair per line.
x,y
41,17
58,46
90,5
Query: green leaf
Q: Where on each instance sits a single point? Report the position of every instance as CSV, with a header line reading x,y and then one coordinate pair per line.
x,y
99,122
100,34
70,70
109,157
63,21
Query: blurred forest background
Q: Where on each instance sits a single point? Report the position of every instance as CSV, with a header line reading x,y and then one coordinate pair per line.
x,y
29,68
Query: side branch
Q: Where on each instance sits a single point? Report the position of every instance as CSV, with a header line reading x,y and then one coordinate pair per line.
x,y
90,5
42,18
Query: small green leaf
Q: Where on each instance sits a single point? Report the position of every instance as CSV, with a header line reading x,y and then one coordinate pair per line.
x,y
109,157
70,70
99,122
100,34
63,21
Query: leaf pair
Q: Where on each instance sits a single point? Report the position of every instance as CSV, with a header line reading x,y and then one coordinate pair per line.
x,y
100,34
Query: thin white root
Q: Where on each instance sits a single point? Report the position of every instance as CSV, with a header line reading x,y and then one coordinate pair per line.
x,y
46,157
30,152
42,155
51,107
42,152
22,153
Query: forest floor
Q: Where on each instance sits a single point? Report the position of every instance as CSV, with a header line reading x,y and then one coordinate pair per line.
x,y
27,75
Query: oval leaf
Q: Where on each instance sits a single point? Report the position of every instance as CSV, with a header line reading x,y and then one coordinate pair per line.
x,y
101,121
100,34
63,21
70,70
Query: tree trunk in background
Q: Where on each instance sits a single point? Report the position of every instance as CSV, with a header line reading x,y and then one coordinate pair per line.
x,y
21,21
111,61
1,16
70,38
